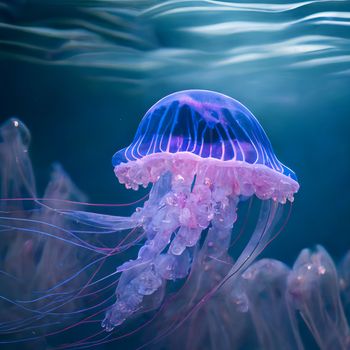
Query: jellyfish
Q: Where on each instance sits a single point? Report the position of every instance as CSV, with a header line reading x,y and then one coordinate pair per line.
x,y
313,289
202,152
205,158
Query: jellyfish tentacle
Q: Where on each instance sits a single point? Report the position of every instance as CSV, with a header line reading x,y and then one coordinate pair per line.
x,y
263,232
111,222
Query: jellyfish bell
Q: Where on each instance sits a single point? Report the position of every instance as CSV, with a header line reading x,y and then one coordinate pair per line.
x,y
190,129
203,152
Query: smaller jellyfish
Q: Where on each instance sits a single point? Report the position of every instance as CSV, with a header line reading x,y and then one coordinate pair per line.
x,y
245,317
268,295
264,284
34,253
313,290
204,153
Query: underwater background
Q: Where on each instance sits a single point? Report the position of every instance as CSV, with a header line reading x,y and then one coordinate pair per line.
x,y
81,74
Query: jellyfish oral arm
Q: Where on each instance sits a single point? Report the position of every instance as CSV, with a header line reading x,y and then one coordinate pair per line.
x,y
188,196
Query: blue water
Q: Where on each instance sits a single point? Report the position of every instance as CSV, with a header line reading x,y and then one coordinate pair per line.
x,y
81,74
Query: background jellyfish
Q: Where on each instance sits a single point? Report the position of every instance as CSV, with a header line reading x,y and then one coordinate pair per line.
x,y
270,306
204,153
30,261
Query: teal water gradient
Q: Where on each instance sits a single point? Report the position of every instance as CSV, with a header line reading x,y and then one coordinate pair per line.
x,y
81,74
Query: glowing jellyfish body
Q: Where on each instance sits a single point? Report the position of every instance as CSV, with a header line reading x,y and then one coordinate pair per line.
x,y
203,152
